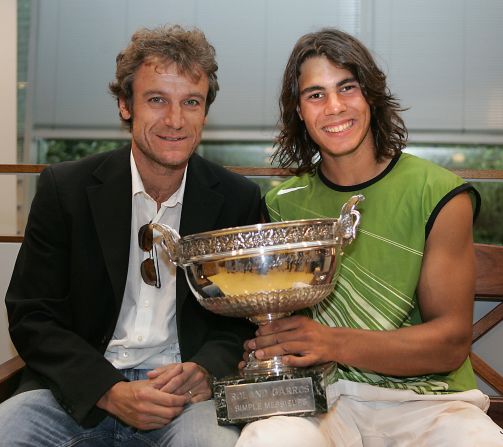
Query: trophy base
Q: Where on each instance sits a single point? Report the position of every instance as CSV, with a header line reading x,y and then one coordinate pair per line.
x,y
301,392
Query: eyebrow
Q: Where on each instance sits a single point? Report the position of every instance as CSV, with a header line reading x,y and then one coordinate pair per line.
x,y
313,88
162,93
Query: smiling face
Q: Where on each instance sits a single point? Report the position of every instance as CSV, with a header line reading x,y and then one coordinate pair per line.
x,y
168,115
334,110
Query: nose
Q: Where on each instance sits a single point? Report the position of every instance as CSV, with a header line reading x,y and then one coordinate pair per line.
x,y
335,104
174,116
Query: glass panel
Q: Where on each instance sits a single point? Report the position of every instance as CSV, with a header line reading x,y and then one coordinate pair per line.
x,y
258,154
461,156
235,153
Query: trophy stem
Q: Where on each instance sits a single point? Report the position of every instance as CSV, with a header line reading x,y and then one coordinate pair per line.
x,y
270,367
263,319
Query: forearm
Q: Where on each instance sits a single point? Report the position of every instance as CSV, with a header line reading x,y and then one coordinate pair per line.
x,y
417,350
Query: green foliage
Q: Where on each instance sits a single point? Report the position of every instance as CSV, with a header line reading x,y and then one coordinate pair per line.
x,y
64,150
461,156
488,228
234,153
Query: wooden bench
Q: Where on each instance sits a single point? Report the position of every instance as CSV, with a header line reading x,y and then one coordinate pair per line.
x,y
489,287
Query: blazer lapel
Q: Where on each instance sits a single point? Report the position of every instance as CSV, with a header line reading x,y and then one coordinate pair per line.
x,y
110,202
200,211
201,203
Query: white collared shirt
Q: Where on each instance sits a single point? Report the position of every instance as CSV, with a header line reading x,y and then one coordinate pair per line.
x,y
146,334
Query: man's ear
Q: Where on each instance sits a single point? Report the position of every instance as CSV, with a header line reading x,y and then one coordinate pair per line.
x,y
299,113
123,110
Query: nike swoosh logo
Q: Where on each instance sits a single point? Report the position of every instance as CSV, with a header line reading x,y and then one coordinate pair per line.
x,y
287,190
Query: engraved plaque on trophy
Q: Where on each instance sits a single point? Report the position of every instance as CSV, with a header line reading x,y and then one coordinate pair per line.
x,y
264,272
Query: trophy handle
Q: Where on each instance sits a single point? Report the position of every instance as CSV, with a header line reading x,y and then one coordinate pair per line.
x,y
170,242
349,220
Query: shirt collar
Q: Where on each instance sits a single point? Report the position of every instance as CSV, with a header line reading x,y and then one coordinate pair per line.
x,y
138,188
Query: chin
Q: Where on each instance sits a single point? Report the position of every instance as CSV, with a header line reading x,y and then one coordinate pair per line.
x,y
175,163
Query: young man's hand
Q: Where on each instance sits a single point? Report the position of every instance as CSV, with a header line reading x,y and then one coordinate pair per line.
x,y
300,340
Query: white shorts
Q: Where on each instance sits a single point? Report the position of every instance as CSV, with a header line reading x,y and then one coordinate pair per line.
x,y
370,416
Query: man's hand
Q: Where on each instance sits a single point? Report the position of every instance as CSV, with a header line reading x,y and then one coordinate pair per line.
x,y
141,405
193,381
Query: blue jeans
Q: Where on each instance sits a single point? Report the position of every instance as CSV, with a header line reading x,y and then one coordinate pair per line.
x,y
35,418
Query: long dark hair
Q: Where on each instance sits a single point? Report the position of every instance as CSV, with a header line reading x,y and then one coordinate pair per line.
x,y
295,147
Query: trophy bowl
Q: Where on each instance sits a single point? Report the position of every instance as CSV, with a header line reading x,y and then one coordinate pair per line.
x,y
262,272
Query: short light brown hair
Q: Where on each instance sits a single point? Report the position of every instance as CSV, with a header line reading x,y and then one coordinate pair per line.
x,y
188,49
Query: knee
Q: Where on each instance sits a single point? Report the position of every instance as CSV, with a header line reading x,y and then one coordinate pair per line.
x,y
466,425
197,426
282,430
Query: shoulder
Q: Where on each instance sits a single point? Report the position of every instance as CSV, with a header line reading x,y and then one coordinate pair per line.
x,y
425,177
422,168
74,171
292,198
214,174
291,185
70,180
434,185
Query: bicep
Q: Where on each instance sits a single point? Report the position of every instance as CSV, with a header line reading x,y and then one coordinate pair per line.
x,y
446,284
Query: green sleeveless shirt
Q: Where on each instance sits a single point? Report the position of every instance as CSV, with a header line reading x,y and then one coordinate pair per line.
x,y
376,287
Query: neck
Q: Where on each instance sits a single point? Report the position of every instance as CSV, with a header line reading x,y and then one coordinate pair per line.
x,y
161,188
160,182
348,171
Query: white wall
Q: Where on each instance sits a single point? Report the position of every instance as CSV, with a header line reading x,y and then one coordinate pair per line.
x,y
8,75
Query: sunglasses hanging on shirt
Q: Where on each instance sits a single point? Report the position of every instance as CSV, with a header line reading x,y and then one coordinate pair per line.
x,y
149,268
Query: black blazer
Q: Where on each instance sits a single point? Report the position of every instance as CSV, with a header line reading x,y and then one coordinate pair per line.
x,y
66,290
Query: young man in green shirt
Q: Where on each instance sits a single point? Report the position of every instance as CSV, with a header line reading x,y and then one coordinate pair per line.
x,y
399,321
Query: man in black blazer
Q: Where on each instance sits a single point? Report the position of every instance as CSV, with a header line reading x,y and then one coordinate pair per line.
x,y
76,298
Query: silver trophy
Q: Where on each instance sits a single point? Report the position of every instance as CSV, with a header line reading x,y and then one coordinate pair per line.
x,y
264,272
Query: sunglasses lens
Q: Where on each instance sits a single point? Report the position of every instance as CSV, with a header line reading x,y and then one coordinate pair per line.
x,y
148,266
146,237
148,273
